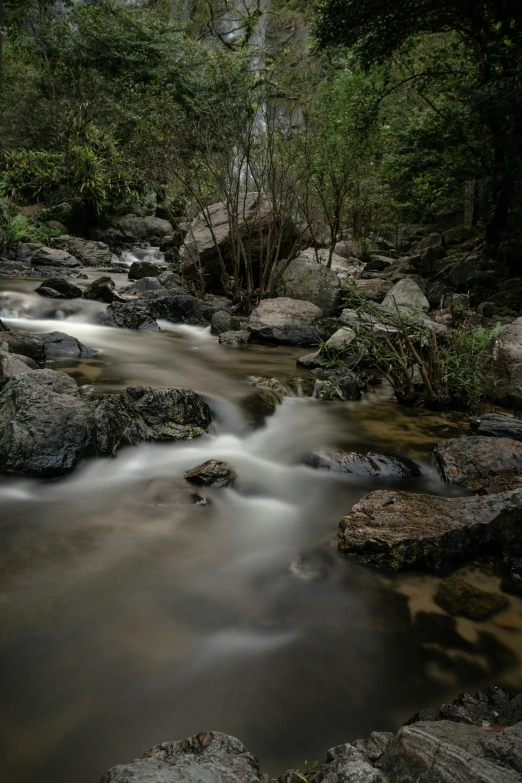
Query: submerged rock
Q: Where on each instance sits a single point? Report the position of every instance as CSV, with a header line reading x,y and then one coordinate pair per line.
x,y
61,344
241,337
50,293
461,598
211,474
260,404
401,529
365,464
480,463
103,289
130,315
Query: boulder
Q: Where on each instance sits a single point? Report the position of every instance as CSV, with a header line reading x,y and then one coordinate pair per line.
x,y
288,321
460,598
88,252
12,364
141,269
48,256
240,337
375,289
145,284
341,339
132,315
132,228
63,287
186,309
366,464
402,529
140,413
103,289
344,268
25,344
223,321
406,296
507,367
50,293
209,239
480,463
206,758
170,280
61,344
497,425
312,282
45,426
211,474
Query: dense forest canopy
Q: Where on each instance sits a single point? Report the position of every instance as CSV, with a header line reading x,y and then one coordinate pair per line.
x,y
370,115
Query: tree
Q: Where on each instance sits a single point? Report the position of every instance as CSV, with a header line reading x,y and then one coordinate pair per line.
x,y
490,32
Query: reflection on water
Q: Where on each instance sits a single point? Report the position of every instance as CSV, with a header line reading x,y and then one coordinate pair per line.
x,y
129,617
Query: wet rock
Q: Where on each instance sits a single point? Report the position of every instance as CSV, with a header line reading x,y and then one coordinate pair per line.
x,y
460,598
507,367
480,463
50,293
401,529
211,474
289,322
314,566
497,425
308,280
208,757
241,337
406,296
145,284
342,385
223,321
130,315
88,252
140,414
366,464
61,344
260,404
207,248
103,289
25,344
45,427
141,269
48,256
269,383
61,286
170,280
12,364
186,309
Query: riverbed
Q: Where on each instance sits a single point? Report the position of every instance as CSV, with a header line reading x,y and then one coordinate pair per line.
x,y
128,617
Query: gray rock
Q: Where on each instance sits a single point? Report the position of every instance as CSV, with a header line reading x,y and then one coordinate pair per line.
x,y
211,474
45,427
402,529
50,293
132,315
507,367
25,344
186,309
366,464
460,598
374,289
241,337
341,339
480,463
48,256
61,344
310,281
88,252
344,268
103,289
206,758
355,320
133,228
170,280
141,269
260,404
63,287
288,321
406,296
12,364
496,425
205,247
223,321
146,284
260,382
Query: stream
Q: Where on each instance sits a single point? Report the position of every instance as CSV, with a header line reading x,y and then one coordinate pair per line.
x,y
128,617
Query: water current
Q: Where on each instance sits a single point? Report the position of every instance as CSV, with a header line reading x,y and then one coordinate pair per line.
x,y
128,617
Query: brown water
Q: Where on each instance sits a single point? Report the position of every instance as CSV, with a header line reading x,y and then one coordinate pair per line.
x,y
128,618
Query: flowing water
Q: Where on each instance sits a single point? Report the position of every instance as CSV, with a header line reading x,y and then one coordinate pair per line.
x,y
128,617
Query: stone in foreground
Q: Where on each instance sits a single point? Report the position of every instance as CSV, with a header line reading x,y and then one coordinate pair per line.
x,y
211,474
402,529
476,739
480,463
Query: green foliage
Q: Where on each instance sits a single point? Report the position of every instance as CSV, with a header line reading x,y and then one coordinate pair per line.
x,y
330,355
465,359
16,228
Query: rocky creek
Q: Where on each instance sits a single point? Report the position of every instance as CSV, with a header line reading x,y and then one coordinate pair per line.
x,y
136,607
